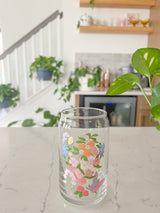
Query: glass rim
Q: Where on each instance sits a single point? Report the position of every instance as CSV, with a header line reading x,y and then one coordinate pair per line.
x,y
103,115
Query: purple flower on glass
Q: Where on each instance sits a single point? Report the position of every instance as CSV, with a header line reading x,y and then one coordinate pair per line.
x,y
65,136
101,149
65,150
94,182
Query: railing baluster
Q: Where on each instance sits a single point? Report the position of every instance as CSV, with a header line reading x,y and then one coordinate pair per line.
x,y
2,76
33,57
41,41
24,71
16,66
7,71
49,39
41,50
59,51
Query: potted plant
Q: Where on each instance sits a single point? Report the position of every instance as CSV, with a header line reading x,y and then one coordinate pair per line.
x,y
82,79
46,68
8,96
147,62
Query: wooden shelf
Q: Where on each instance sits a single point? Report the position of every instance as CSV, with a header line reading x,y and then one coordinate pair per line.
x,y
119,3
117,29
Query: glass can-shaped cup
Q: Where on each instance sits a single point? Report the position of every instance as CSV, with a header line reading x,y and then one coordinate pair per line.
x,y
83,155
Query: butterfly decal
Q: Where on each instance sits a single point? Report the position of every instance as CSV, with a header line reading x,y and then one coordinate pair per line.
x,y
95,186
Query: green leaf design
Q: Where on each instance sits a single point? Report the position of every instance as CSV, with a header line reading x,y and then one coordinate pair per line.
x,y
84,158
97,156
76,149
89,135
98,166
94,135
89,177
123,84
76,192
79,167
80,194
80,142
75,153
94,140
146,61
83,139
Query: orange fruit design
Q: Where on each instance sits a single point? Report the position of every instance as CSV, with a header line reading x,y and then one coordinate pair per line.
x,y
91,143
86,152
81,146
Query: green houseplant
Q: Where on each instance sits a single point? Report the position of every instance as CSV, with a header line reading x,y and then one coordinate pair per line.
x,y
46,68
73,84
147,62
8,96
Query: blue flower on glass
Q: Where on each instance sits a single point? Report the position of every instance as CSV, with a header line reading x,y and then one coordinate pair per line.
x,y
101,149
65,136
65,150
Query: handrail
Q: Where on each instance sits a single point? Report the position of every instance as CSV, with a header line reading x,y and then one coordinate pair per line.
x,y
31,33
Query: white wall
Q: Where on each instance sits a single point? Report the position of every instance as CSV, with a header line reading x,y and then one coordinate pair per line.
x,y
18,17
98,43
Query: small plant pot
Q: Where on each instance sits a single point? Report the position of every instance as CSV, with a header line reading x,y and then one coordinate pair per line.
x,y
5,103
84,84
44,74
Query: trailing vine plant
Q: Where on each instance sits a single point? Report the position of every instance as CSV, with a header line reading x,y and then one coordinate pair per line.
x,y
73,83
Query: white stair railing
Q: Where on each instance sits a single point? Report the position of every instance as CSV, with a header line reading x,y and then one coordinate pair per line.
x,y
15,62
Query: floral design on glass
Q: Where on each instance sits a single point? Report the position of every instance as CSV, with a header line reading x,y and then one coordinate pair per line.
x,y
83,162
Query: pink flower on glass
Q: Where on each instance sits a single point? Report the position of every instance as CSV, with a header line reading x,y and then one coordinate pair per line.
x,y
70,167
80,188
85,193
78,174
96,161
89,173
73,162
81,181
71,174
94,151
90,163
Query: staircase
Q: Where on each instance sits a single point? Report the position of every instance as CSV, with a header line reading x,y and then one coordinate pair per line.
x,y
44,39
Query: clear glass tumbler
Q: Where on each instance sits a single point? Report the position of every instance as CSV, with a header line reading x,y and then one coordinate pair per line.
x,y
83,155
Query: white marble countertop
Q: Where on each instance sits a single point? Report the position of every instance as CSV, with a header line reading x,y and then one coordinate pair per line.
x,y
29,172
134,92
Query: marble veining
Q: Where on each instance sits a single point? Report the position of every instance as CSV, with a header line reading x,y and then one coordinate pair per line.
x,y
29,172
49,183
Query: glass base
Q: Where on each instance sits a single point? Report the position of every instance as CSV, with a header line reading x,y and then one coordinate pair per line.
x,y
84,202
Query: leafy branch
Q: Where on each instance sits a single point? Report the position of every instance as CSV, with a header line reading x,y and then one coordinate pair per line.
x,y
73,83
147,62
52,120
